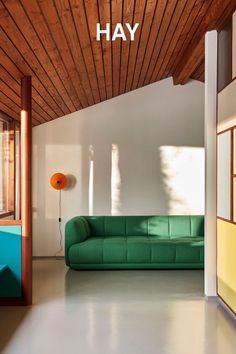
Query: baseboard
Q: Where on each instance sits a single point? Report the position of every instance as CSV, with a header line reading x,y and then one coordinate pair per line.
x,y
49,257
211,298
227,308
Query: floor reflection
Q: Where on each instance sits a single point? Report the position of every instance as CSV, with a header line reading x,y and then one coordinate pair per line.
x,y
106,312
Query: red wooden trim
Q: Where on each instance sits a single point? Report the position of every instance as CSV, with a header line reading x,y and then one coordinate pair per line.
x,y
5,147
14,301
4,214
231,178
226,130
11,162
10,222
227,220
26,203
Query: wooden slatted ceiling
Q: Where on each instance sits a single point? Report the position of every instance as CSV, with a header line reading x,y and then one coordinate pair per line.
x,y
54,41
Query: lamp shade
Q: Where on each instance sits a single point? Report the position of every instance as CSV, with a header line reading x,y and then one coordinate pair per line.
x,y
58,181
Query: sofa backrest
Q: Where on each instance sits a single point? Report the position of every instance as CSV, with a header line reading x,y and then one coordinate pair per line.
x,y
172,226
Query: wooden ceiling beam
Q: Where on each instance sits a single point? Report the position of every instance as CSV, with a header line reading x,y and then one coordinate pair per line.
x,y
168,17
191,63
39,25
139,10
74,37
12,109
11,72
229,10
92,18
193,55
150,13
21,31
116,17
173,36
79,17
24,66
128,11
8,92
193,23
11,88
105,17
152,39
199,73
51,17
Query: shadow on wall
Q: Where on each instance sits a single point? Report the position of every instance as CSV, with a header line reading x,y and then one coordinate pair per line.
x,y
178,189
118,181
114,180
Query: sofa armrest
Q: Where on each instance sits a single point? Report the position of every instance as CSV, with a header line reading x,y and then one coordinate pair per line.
x,y
76,230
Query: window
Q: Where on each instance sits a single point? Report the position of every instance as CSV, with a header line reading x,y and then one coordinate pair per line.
x,y
9,168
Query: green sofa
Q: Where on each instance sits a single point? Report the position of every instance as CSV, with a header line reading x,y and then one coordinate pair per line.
x,y
135,242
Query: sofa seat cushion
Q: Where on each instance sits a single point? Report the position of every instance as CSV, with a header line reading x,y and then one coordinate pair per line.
x,y
137,249
181,250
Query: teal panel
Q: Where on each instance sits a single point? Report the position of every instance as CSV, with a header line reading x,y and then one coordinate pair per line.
x,y
137,225
10,255
114,225
158,226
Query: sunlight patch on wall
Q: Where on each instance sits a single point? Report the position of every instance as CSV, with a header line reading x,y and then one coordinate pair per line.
x,y
183,178
115,181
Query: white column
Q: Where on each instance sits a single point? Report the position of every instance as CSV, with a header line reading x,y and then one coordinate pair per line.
x,y
210,160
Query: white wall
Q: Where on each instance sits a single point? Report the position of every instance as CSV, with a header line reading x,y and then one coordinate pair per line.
x,y
145,149
227,107
211,41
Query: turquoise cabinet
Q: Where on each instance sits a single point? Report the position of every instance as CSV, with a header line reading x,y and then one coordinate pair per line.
x,y
10,261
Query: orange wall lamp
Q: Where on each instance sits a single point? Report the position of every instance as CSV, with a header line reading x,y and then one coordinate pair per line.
x,y
59,181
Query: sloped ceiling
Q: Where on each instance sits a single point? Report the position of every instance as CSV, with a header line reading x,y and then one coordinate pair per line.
x,y
54,41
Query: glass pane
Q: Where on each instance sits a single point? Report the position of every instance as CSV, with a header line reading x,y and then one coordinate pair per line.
x,y
224,175
9,168
1,166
